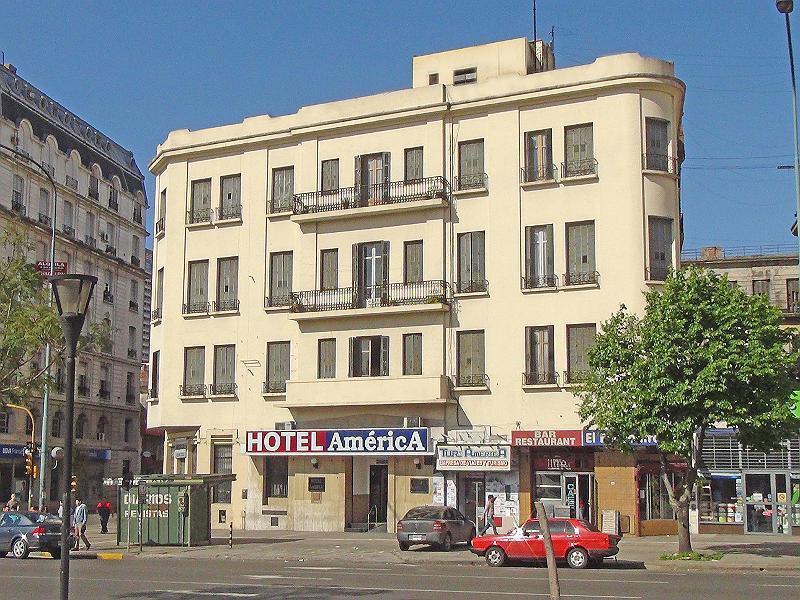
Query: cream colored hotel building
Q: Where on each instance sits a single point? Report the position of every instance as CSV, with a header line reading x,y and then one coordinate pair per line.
x,y
434,260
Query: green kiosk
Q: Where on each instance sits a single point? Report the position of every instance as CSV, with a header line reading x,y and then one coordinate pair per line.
x,y
165,510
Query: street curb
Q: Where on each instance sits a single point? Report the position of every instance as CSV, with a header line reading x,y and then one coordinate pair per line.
x,y
110,555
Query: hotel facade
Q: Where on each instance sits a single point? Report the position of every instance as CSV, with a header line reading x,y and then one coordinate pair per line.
x,y
383,302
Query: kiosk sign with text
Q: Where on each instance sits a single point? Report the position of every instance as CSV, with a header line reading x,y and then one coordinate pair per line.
x,y
548,438
342,442
474,457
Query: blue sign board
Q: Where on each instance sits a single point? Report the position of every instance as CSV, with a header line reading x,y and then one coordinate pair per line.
x,y
11,451
98,454
595,437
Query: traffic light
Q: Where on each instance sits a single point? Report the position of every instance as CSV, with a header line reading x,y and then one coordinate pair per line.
x,y
36,471
74,483
28,462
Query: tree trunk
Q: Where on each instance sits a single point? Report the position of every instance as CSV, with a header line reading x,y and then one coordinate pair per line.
x,y
682,513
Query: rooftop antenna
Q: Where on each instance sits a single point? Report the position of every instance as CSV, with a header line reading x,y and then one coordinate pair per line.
x,y
553,38
534,21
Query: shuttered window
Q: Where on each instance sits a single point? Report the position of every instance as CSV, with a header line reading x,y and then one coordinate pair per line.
x,y
413,166
329,269
231,196
162,204
470,164
330,175
369,356
154,374
660,233
539,155
579,339
44,202
792,295
198,283
227,283
68,213
657,142
761,287
326,367
579,150
160,292
224,368
412,268
412,354
280,277
471,262
539,355
201,200
282,189
580,253
539,264
223,465
471,360
277,366
194,365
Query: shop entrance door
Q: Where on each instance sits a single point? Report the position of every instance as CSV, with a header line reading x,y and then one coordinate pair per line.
x,y
578,495
474,499
378,491
767,503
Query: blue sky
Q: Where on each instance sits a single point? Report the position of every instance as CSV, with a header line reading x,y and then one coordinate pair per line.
x,y
137,70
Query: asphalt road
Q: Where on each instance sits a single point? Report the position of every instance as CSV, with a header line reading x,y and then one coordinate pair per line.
x,y
160,579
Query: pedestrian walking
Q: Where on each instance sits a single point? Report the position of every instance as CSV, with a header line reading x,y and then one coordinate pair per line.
x,y
61,509
104,512
488,516
80,519
13,503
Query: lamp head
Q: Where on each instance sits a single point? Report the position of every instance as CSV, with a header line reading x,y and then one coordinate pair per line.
x,y
72,293
784,6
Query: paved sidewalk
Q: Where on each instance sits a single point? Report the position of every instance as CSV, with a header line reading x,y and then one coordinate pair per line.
x,y
741,553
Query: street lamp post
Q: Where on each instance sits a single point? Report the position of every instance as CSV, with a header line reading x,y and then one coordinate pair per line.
x,y
785,7
72,294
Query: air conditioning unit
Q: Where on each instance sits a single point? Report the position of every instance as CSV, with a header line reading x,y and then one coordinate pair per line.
x,y
285,425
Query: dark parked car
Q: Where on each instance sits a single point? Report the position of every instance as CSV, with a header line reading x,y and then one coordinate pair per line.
x,y
439,526
577,542
25,532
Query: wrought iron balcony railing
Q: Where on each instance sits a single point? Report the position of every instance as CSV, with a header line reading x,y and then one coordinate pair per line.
x,y
198,215
135,261
131,352
472,286
273,387
71,182
111,250
472,380
657,273
105,391
393,294
575,375
18,207
192,389
470,181
83,390
94,190
581,278
90,241
45,219
534,173
160,226
137,214
229,305
194,308
278,300
660,162
155,314
113,203
68,230
578,168
108,297
49,168
133,306
368,195
534,282
223,389
549,377
130,397
152,393
229,212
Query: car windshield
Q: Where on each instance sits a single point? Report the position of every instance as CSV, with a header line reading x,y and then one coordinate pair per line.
x,y
589,526
41,517
424,512
14,519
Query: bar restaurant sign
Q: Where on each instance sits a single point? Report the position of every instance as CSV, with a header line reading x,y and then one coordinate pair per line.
x,y
340,442
548,438
475,457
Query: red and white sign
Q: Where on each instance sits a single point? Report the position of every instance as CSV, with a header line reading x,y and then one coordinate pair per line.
x,y
59,267
549,438
346,442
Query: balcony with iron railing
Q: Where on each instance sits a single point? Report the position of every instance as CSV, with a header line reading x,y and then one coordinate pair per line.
x,y
421,296
573,376
16,204
83,390
105,390
278,301
113,199
108,297
155,314
133,306
229,212
135,261
711,253
160,226
581,278
198,216
44,219
586,167
222,389
228,305
196,307
538,174
90,241
273,387
538,282
472,286
662,163
657,273
403,195
532,378
71,182
49,169
137,214
478,381
132,353
189,390
471,182
130,397
94,189
68,230
111,250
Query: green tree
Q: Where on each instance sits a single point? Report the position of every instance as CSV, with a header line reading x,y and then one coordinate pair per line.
x,y
28,323
703,354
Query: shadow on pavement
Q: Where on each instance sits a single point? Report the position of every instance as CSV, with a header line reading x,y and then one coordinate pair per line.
x,y
613,565
248,540
459,548
259,593
770,549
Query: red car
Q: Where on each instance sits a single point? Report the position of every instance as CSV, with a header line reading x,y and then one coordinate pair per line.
x,y
574,540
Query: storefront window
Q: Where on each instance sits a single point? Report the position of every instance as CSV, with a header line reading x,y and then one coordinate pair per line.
x,y
653,497
721,499
548,486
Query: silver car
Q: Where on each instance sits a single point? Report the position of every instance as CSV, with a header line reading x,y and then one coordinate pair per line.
x,y
439,526
25,532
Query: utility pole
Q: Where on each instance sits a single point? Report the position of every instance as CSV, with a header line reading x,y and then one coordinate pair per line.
x,y
552,571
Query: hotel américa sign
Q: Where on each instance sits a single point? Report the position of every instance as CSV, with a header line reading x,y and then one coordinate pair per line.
x,y
339,442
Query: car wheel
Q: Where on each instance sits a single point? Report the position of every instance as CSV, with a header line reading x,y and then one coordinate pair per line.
x,y
495,556
404,546
19,548
447,544
577,558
